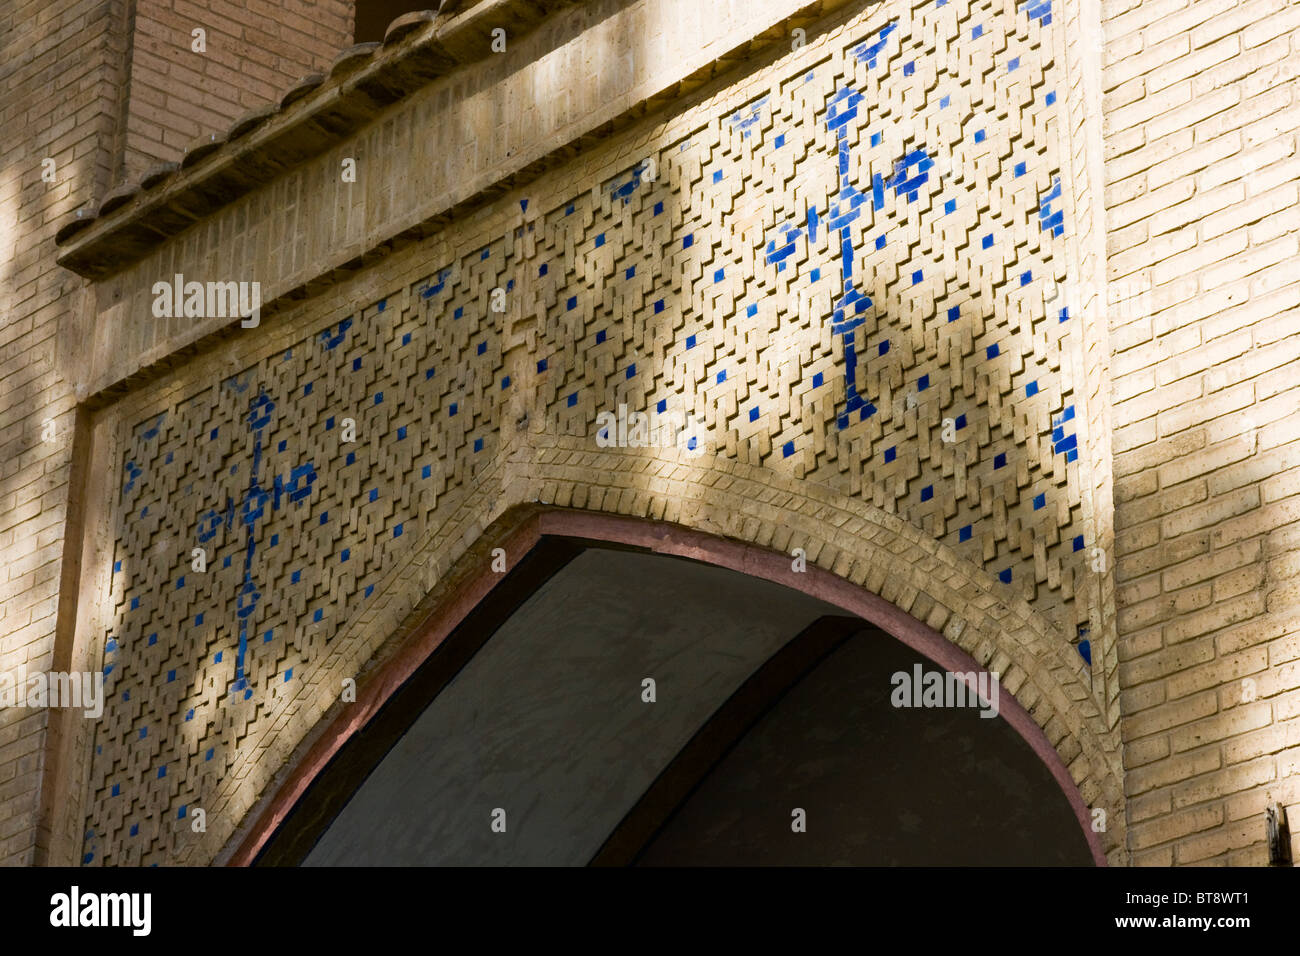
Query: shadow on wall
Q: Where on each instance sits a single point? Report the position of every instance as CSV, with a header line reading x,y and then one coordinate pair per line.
x,y
55,160
675,288
198,653
1204,552
833,335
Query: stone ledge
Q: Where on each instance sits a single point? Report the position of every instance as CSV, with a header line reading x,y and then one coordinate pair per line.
x,y
114,251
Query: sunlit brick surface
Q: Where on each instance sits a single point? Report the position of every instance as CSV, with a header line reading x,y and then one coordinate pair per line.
x,y
1203,117
989,307
252,50
845,267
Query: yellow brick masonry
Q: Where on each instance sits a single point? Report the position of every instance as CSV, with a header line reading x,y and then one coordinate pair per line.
x,y
641,301
62,64
68,82
253,51
1176,143
1202,112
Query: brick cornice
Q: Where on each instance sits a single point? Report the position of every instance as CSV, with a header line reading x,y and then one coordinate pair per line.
x,y
316,113
285,159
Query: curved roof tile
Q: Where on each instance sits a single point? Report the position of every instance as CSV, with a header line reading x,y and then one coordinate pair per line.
x,y
251,120
407,24
300,89
117,196
202,147
352,59
418,47
157,174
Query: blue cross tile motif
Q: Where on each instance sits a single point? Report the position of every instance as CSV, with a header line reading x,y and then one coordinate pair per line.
x,y
250,510
908,175
834,180
1061,442
1050,219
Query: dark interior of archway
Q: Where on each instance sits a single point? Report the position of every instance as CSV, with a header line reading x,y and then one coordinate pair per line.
x,y
767,700
878,785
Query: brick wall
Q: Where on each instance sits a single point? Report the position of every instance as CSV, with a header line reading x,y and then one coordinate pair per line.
x,y
64,67
60,68
718,286
255,50
1202,112
1202,341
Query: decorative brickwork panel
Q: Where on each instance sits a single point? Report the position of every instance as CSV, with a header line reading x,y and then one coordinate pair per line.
x,y
845,269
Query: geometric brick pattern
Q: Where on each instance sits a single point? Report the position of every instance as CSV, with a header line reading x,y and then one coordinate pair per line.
x,y
834,276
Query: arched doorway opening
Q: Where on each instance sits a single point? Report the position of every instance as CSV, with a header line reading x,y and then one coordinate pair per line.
x,y
773,736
